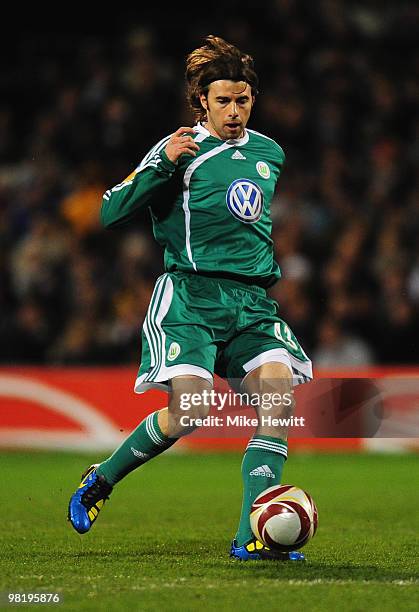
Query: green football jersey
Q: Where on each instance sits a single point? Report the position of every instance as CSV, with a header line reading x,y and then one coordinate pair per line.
x,y
211,213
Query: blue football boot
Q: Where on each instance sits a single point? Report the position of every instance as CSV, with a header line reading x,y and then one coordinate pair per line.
x,y
256,551
88,500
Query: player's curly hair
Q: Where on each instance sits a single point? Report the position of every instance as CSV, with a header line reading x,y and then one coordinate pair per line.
x,y
216,60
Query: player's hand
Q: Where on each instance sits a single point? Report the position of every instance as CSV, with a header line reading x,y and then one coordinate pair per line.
x,y
181,142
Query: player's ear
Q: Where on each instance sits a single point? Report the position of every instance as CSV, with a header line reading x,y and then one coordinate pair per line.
x,y
204,101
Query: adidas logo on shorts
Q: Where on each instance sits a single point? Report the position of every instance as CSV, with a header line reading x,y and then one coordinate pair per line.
x,y
263,470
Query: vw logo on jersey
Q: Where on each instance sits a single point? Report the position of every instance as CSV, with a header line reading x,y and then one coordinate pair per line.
x,y
245,200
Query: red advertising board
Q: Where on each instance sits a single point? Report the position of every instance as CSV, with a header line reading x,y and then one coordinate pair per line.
x,y
95,408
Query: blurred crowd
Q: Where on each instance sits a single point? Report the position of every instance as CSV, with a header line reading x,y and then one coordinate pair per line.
x,y
339,83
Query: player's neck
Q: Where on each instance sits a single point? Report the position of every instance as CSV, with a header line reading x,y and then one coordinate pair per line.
x,y
207,125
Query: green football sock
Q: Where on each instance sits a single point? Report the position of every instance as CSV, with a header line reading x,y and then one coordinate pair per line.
x,y
262,467
143,444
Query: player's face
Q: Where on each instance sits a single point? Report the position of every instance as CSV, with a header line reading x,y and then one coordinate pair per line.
x,y
228,105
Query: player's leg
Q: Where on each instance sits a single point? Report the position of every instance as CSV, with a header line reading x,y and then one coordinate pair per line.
x,y
180,418
265,455
175,343
266,357
266,452
155,434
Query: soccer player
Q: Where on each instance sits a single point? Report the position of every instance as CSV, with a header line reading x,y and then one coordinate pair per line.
x,y
209,190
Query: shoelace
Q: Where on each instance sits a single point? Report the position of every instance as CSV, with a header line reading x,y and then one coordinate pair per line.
x,y
98,490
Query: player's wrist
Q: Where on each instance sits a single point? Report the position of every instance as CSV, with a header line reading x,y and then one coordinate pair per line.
x,y
166,163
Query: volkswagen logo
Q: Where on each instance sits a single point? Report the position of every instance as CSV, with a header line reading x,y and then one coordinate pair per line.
x,y
245,200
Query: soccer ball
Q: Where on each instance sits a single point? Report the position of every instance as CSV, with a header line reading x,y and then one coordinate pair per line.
x,y
284,517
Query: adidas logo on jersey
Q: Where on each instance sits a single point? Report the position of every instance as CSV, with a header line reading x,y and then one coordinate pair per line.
x,y
263,470
237,155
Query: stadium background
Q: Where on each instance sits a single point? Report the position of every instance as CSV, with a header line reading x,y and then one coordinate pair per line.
x,y
84,92
82,102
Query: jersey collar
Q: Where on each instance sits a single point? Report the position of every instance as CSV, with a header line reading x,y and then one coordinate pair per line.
x,y
237,142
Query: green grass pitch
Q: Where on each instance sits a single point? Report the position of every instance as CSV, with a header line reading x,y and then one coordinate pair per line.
x,y
162,540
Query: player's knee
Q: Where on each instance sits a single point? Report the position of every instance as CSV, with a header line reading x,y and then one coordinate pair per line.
x,y
277,405
190,417
272,383
287,405
189,405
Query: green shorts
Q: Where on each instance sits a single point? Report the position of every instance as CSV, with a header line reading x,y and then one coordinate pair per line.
x,y
200,325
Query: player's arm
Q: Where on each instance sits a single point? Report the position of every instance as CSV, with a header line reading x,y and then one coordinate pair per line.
x,y
137,191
